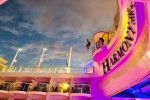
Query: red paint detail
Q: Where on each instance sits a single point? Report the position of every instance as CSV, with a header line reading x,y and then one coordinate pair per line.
x,y
88,44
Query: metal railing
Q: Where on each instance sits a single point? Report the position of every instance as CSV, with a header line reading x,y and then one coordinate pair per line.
x,y
48,69
45,87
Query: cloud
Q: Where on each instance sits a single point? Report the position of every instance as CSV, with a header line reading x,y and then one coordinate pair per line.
x,y
6,19
55,51
63,24
10,30
81,18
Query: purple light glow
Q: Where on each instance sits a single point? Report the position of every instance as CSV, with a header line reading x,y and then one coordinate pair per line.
x,y
127,78
140,18
146,89
140,24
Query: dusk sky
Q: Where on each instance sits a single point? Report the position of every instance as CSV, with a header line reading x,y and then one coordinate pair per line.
x,y
53,24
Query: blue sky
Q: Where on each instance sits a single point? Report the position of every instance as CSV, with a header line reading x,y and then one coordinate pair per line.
x,y
53,24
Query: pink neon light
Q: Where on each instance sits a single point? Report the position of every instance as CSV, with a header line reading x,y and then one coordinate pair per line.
x,y
2,1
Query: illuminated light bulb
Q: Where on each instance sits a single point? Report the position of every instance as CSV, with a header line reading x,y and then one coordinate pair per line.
x,y
65,86
15,60
148,53
19,49
45,49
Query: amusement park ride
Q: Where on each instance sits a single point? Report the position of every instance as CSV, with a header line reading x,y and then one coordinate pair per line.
x,y
121,69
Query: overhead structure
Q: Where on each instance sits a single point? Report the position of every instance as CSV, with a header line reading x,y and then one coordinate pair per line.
x,y
41,59
14,59
69,60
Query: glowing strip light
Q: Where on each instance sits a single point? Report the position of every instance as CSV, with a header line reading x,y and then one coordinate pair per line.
x,y
125,24
2,1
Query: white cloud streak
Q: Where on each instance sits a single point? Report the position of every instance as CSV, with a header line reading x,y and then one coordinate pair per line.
x,y
10,30
62,21
6,19
81,18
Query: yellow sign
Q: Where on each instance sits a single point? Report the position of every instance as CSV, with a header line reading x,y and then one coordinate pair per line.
x,y
2,60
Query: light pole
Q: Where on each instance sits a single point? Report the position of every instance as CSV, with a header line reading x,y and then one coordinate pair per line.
x,y
41,59
69,61
14,59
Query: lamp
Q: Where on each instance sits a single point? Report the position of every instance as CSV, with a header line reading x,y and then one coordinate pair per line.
x,y
63,87
41,59
14,59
